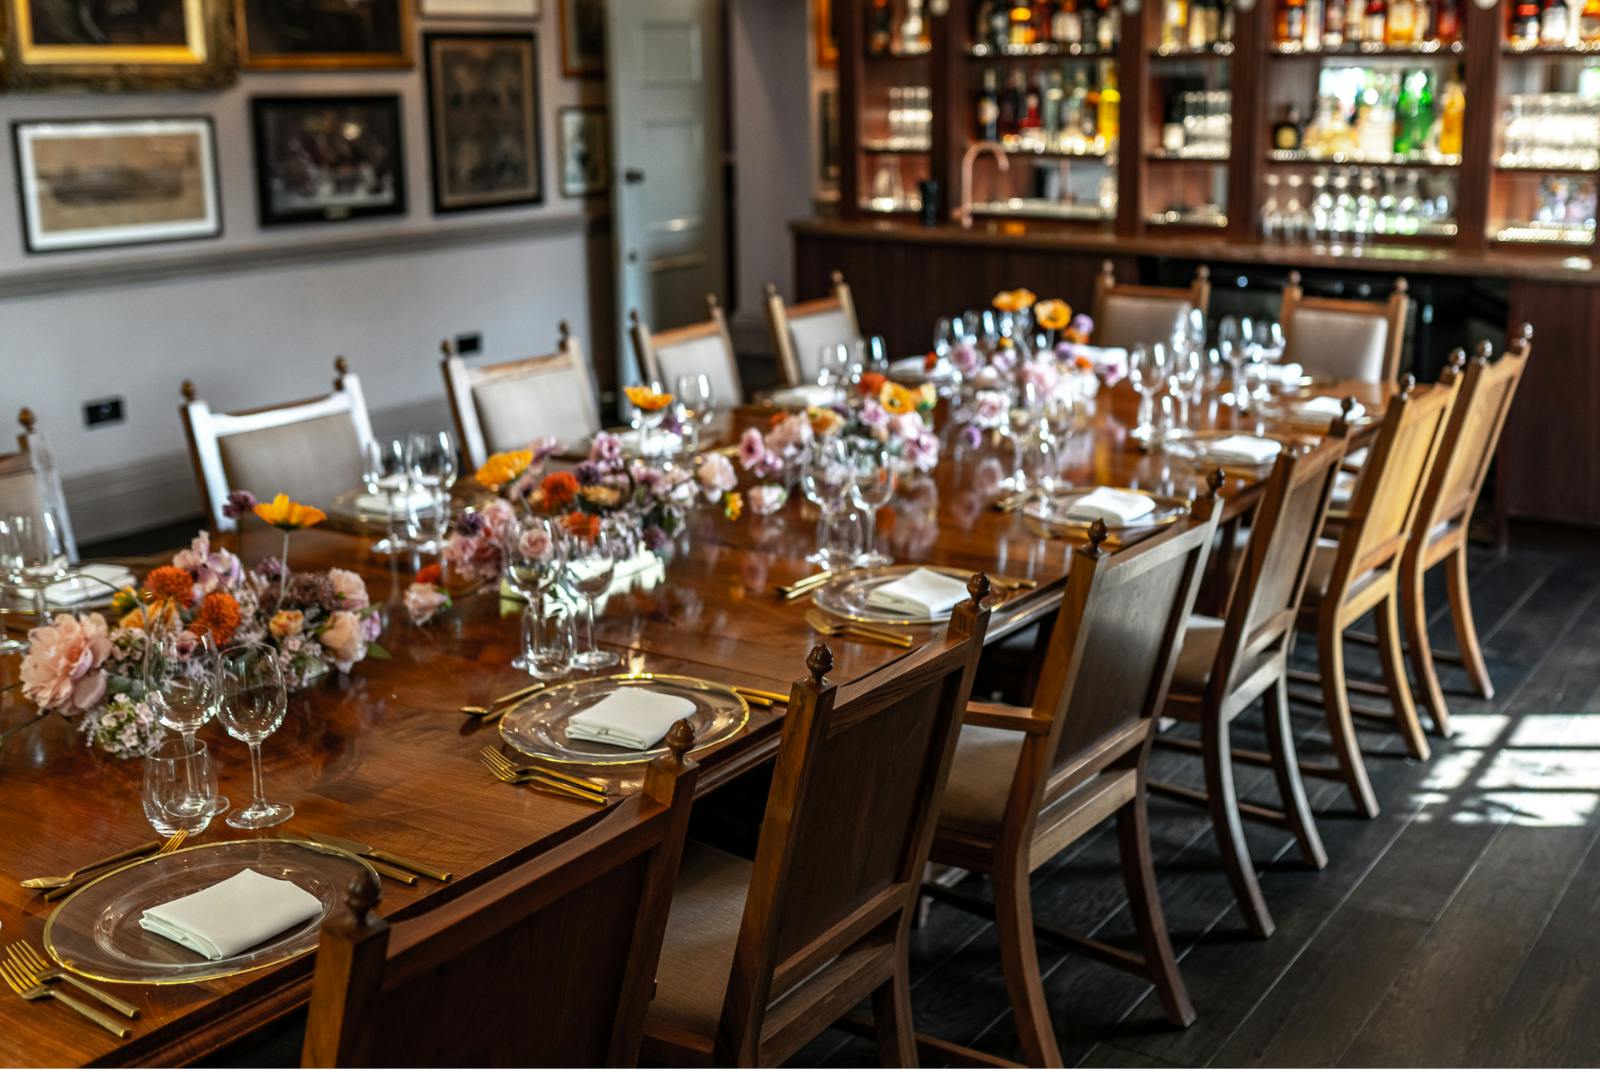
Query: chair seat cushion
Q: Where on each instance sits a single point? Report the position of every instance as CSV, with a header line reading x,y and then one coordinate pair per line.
x,y
980,778
702,930
1198,655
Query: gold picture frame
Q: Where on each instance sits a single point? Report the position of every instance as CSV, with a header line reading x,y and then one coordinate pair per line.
x,y
44,49
257,56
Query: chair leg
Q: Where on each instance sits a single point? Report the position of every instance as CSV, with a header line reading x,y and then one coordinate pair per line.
x,y
891,1015
1394,677
1223,802
1019,957
1286,768
1144,901
1415,610
1336,708
1466,627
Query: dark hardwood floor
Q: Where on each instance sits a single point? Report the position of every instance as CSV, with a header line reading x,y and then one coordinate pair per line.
x,y
1459,927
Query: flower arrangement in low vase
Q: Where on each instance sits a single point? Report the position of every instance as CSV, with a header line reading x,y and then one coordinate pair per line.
x,y
101,668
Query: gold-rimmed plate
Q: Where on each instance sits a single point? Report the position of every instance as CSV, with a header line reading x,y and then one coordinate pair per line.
x,y
1050,515
95,932
847,596
1288,413
372,511
537,726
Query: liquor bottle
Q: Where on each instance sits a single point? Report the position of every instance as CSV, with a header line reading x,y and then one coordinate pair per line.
x,y
1013,102
1333,25
1174,21
1043,14
1287,133
988,106
1375,22
1409,114
1553,23
1452,116
1292,22
1055,101
1423,29
1400,30
1022,29
1447,21
1313,31
1109,120
1172,132
1031,126
1589,22
1088,23
1225,27
1109,24
1355,21
1197,35
1066,27
880,27
913,30
1072,124
999,24
1091,113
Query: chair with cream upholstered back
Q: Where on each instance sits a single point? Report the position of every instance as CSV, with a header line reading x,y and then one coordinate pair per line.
x,y
800,331
310,450
1125,314
30,484
1340,339
506,406
704,348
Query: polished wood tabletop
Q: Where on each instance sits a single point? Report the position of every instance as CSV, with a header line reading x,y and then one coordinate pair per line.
x,y
384,755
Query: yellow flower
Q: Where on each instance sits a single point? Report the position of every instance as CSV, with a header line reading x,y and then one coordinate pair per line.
x,y
600,496
647,399
824,422
290,516
1052,315
286,623
927,397
163,617
1015,300
896,400
504,467
732,505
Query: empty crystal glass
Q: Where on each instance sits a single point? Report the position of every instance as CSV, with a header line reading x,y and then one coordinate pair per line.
x,y
534,560
180,787
184,703
591,563
871,488
254,701
387,475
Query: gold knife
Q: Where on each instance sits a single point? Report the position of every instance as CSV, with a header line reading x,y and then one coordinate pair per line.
x,y
501,702
53,883
368,851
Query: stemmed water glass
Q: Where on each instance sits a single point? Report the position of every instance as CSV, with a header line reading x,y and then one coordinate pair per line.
x,y
1147,370
11,575
386,474
38,554
878,354
591,563
944,336
871,488
649,421
431,463
254,701
833,367
826,480
535,556
186,701
699,403
1188,373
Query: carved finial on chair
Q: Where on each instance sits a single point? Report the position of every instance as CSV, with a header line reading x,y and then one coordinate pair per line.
x,y
1401,286
1214,481
680,739
447,347
188,391
771,290
361,896
978,587
819,662
341,368
1408,383
1098,534
1294,279
1203,272
633,317
1457,359
1108,270
27,418
565,333
836,277
1483,353
1526,334
711,304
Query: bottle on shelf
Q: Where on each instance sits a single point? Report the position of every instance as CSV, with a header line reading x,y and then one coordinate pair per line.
x,y
988,107
1525,23
1287,133
1012,103
1333,24
1109,120
1589,22
880,27
1174,23
1291,29
1021,32
1091,117
1108,24
1553,23
1452,116
913,38
1172,131
1072,115
1400,28
1066,25
1413,119
994,24
1088,23
1030,128
1447,21
1355,21
1055,100
1374,23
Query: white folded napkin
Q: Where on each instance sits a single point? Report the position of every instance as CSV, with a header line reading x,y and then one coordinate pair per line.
x,y
633,718
1328,407
1283,375
81,589
399,504
232,915
803,396
1246,449
919,593
1099,354
637,441
1112,506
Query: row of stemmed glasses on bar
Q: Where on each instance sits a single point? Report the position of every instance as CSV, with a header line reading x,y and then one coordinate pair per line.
x,y
414,476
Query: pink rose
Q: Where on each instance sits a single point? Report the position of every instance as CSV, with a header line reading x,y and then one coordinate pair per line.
x,y
716,474
423,601
62,669
990,409
966,359
343,639
766,499
350,588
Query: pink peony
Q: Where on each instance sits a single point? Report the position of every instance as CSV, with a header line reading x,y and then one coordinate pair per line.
x,y
423,601
62,669
716,474
873,415
343,639
534,542
349,588
752,449
990,409
766,499
966,359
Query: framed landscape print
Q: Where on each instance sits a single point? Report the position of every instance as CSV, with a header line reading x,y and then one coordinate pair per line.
x,y
483,117
583,38
319,34
117,45
87,184
480,9
326,159
585,152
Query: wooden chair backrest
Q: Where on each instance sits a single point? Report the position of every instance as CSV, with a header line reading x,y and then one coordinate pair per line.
x,y
1339,338
29,482
839,308
1473,434
1126,314
508,405
311,450
1283,544
703,348
550,964
849,823
1388,494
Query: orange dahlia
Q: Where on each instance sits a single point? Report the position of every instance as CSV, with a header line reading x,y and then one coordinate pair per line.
x,y
217,617
584,526
169,583
559,489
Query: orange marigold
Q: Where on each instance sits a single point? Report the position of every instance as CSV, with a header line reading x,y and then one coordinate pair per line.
x,y
559,488
871,383
430,574
170,582
584,526
217,617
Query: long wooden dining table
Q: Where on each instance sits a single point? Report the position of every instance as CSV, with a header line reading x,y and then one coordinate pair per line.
x,y
384,755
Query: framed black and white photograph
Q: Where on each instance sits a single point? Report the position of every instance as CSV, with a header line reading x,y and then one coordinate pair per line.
x,y
480,9
318,35
115,45
88,184
585,152
325,159
583,38
483,118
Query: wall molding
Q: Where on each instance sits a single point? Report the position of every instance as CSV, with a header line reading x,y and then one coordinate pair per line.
x,y
40,281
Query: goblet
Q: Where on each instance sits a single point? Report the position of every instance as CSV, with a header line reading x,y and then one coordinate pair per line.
x,y
254,701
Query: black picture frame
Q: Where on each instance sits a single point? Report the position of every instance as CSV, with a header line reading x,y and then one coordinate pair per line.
x,y
276,207
450,192
341,44
598,116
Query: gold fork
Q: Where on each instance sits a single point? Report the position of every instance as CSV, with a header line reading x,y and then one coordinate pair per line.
x,y
22,985
55,882
822,624
588,785
502,770
170,845
34,967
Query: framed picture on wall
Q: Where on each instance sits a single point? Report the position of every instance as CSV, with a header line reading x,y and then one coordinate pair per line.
x,y
116,45
318,35
327,159
88,184
583,38
483,119
585,152
480,9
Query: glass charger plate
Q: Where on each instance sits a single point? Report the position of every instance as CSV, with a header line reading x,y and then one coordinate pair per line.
x,y
358,506
537,726
96,933
1195,448
1286,413
846,597
1049,514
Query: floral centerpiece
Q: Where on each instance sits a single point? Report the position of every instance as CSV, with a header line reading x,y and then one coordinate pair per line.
x,y
100,668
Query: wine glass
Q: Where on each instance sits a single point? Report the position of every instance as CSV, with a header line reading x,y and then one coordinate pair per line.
x,y
649,421
185,700
871,488
254,701
833,367
878,354
387,475
39,554
535,555
180,787
591,563
944,336
699,402
1145,373
431,463
826,480
11,574
1188,368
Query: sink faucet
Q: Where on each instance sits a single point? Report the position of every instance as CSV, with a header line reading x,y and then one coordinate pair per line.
x,y
976,149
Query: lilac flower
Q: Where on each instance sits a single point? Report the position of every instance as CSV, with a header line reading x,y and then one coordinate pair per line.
x,y
1004,360
971,436
470,523
655,540
543,448
873,415
587,473
1082,325
239,504
966,359
607,448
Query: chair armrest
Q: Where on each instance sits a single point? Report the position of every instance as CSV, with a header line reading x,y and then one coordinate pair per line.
x,y
1005,716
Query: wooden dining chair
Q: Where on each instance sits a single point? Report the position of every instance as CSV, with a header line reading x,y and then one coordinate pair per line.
x,y
1028,782
507,405
1360,572
700,349
311,450
1126,314
30,482
799,331
1336,338
762,957
550,964
1226,664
